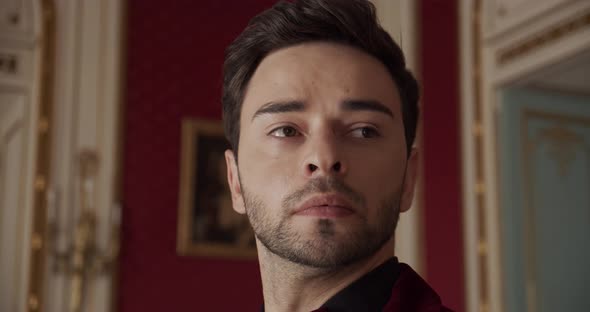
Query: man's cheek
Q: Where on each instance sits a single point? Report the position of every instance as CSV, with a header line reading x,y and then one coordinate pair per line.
x,y
262,178
374,184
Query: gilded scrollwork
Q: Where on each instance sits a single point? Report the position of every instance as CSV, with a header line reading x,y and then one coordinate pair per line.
x,y
562,144
543,39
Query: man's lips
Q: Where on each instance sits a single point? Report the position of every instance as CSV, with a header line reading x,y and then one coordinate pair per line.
x,y
325,206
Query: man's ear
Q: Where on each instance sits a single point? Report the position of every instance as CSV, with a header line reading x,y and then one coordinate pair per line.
x,y
409,181
233,180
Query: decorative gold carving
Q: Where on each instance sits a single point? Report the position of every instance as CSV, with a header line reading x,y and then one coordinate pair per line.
x,y
43,125
37,263
83,260
480,188
36,241
542,39
477,129
484,307
562,146
40,183
482,248
33,302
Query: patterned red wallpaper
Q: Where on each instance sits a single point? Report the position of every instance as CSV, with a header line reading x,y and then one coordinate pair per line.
x,y
174,60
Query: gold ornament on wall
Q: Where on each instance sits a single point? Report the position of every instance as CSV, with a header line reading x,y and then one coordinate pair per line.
x,y
562,143
74,249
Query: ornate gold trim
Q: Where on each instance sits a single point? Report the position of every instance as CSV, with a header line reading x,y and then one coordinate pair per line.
x,y
33,303
542,39
480,188
562,142
477,129
42,157
480,178
185,245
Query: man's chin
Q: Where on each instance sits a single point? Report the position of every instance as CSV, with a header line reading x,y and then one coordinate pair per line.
x,y
324,254
324,250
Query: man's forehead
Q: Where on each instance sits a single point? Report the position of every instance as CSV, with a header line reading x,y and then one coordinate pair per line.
x,y
316,53
319,69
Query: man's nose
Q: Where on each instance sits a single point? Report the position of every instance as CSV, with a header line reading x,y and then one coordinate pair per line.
x,y
324,157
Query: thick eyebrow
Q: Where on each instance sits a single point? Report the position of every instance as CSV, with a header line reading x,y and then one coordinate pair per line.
x,y
280,107
298,106
366,105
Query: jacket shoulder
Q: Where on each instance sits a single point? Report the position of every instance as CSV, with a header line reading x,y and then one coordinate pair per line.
x,y
411,293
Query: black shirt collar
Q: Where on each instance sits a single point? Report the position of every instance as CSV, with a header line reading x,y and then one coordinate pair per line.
x,y
369,293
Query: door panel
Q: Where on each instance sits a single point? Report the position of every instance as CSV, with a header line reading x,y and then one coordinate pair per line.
x,y
545,196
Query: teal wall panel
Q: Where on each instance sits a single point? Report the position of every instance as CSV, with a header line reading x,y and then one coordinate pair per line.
x,y
544,141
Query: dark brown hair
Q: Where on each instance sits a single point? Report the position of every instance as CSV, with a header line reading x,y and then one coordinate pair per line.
x,y
349,22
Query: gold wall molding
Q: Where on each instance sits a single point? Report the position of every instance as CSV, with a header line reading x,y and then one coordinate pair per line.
x,y
542,39
478,138
87,117
562,146
42,158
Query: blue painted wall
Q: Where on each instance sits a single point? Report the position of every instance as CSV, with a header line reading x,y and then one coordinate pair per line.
x,y
544,141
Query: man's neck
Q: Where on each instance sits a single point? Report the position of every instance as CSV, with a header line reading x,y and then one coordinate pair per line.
x,y
289,286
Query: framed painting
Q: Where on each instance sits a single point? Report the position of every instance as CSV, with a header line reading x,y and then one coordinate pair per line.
x,y
207,224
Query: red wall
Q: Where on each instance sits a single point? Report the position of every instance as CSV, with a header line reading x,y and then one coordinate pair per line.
x,y
441,149
174,60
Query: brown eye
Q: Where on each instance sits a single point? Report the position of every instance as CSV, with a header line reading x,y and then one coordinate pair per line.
x,y
365,132
284,132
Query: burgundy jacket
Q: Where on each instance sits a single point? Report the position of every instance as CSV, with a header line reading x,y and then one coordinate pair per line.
x,y
392,287
410,293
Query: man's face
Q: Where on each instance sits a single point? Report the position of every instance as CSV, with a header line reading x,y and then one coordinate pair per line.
x,y
322,171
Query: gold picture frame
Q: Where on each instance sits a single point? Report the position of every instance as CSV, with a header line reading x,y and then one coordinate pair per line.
x,y
207,224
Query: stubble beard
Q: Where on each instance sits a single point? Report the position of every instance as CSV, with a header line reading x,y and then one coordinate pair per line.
x,y
325,247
